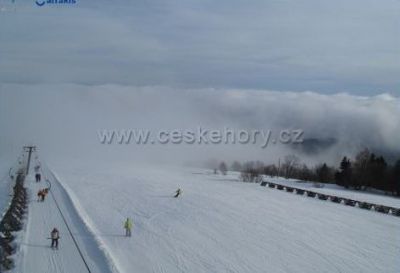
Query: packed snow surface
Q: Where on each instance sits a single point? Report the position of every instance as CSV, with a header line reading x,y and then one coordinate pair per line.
x,y
222,225
35,254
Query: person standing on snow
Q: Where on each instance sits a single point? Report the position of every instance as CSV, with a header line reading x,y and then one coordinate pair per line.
x,y
39,195
178,192
38,177
54,235
42,195
128,227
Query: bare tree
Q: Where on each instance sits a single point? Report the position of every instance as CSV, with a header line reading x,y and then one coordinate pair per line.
x,y
236,166
360,167
250,175
290,163
222,167
270,170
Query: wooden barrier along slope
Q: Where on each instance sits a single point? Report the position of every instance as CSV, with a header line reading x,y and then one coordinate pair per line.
x,y
336,199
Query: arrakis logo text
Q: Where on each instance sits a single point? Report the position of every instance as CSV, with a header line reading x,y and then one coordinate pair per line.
x,y
41,3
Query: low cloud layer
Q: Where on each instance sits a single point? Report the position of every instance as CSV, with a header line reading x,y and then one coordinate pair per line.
x,y
325,46
63,121
67,71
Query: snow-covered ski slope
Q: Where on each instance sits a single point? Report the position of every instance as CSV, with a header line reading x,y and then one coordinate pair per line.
x,y
35,254
222,225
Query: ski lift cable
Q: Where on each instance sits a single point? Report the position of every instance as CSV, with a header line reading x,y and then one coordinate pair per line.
x,y
69,229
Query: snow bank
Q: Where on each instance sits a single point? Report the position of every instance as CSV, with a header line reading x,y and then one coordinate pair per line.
x,y
87,221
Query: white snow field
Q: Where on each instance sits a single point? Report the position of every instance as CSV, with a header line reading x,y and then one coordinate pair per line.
x,y
217,225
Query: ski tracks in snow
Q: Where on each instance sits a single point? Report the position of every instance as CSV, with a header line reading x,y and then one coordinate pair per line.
x,y
78,251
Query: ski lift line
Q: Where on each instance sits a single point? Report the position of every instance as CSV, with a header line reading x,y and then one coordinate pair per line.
x,y
69,230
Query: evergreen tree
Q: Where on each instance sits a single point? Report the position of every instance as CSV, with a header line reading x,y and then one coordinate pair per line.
x,y
344,175
323,173
377,173
396,177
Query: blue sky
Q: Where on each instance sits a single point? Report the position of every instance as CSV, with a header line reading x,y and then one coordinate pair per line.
x,y
350,46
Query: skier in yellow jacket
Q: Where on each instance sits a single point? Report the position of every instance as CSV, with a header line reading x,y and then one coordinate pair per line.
x,y
128,227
